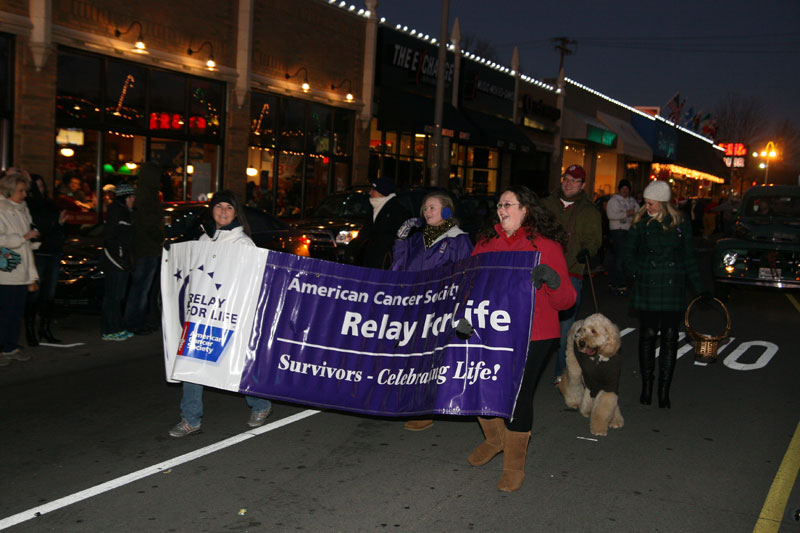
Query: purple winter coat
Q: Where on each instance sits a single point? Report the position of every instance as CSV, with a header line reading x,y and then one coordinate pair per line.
x,y
410,253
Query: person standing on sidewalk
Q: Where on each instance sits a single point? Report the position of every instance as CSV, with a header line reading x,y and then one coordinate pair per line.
x,y
230,227
118,261
620,210
523,225
148,230
49,220
660,255
583,223
437,243
16,235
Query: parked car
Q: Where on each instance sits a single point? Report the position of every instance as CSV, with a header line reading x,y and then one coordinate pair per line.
x,y
765,249
342,215
81,278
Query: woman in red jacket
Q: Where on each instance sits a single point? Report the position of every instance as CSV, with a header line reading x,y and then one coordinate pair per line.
x,y
522,225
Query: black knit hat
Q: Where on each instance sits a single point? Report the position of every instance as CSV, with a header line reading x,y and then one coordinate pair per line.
x,y
624,183
222,196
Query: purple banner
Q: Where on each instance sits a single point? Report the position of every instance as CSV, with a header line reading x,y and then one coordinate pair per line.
x,y
384,343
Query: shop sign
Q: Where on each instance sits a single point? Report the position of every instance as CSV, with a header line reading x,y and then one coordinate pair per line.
x,y
174,122
734,149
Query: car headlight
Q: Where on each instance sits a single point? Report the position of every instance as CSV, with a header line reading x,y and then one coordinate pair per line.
x,y
344,236
729,259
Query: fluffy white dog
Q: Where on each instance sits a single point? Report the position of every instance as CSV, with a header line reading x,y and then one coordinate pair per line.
x,y
591,381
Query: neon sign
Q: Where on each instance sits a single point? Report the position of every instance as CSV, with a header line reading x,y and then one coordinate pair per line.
x,y
734,149
174,121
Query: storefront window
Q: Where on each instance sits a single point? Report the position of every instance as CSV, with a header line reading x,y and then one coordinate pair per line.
x,y
126,94
481,171
293,125
76,178
343,130
205,107
260,165
79,85
605,173
573,155
169,153
167,102
405,144
122,153
317,168
290,181
201,170
263,119
319,129
420,140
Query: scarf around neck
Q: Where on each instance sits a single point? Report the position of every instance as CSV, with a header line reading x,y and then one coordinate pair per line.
x,y
431,233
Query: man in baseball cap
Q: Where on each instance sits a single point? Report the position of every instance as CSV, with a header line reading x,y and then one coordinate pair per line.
x,y
583,223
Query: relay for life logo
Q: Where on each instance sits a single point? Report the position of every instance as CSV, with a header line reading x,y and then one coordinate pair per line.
x,y
207,323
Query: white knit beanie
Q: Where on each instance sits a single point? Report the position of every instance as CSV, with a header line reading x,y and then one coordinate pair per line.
x,y
658,191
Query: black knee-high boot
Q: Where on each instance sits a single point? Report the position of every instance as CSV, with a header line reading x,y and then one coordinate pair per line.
x,y
30,320
46,318
647,360
666,364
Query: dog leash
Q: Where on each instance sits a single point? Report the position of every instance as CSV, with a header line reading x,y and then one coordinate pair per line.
x,y
591,284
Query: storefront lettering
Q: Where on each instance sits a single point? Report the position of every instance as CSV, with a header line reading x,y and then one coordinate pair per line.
x,y
174,121
419,61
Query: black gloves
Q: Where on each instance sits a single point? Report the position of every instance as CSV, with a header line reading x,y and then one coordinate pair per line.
x,y
545,274
464,329
583,255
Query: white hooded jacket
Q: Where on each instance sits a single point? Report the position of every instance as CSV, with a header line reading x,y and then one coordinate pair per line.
x,y
15,222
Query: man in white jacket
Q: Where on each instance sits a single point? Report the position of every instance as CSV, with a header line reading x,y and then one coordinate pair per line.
x,y
620,210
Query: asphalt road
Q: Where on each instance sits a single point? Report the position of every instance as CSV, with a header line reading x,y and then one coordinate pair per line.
x,y
84,443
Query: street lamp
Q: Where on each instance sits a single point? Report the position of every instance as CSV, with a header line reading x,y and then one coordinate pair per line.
x,y
767,153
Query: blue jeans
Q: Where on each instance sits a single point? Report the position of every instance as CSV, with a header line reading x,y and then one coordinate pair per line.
x,y
13,298
116,281
618,237
567,319
141,279
192,403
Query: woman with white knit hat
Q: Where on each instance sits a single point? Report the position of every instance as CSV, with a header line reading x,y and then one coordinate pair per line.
x,y
660,255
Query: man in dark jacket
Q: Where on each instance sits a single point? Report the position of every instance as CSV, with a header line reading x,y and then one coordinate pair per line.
x,y
582,221
148,224
373,246
118,261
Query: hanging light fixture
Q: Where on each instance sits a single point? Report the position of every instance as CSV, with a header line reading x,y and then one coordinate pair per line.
x,y
349,94
210,63
139,46
305,86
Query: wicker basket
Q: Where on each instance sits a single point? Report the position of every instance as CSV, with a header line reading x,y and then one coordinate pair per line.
x,y
706,346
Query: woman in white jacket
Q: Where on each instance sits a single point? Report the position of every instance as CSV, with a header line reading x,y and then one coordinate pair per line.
x,y
230,227
16,235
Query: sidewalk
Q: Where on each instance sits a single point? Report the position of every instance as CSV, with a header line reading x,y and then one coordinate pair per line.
x,y
83,328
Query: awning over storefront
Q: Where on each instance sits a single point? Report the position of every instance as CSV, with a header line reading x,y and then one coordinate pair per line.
x,y
580,127
499,132
414,113
629,142
700,155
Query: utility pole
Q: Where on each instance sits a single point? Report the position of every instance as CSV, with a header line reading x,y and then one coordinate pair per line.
x,y
562,46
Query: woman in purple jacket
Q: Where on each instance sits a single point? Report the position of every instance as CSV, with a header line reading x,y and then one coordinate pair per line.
x,y
437,242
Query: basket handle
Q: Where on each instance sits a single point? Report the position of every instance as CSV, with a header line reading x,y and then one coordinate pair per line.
x,y
727,315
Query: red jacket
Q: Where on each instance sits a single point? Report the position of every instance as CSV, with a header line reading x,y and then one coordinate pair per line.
x,y
548,302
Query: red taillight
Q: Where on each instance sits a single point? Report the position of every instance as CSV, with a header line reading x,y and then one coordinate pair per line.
x,y
305,240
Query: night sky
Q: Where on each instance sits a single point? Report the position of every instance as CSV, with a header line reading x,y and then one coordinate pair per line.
x,y
643,52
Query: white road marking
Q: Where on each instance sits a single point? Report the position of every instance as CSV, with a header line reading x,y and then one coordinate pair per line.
x,y
149,471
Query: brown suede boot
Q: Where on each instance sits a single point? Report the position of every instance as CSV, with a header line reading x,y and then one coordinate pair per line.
x,y
516,447
494,429
418,425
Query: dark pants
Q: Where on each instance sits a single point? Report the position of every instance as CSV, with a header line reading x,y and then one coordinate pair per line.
x,y
48,266
539,353
116,281
618,238
13,298
141,279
